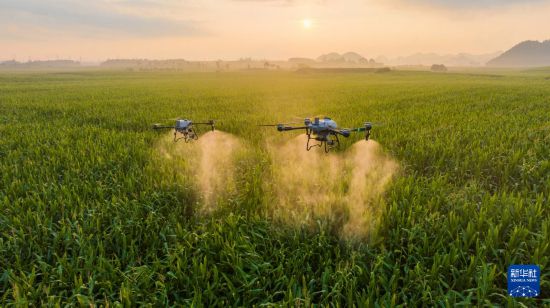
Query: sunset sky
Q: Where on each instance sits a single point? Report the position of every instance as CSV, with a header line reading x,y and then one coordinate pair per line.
x,y
274,29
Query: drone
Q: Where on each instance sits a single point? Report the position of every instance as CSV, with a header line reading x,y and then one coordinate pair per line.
x,y
186,128
325,131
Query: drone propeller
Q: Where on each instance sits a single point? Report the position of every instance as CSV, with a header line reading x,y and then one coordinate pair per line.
x,y
160,126
184,118
174,119
378,124
322,116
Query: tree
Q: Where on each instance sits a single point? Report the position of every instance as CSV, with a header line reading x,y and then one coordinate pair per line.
x,y
439,68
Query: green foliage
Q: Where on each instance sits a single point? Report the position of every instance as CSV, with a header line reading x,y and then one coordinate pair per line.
x,y
88,215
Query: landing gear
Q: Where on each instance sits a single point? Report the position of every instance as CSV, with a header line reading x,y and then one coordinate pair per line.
x,y
188,134
332,142
329,142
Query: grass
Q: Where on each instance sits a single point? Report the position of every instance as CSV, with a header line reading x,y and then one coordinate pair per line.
x,y
89,215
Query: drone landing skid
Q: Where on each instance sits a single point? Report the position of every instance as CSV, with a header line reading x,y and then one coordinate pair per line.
x,y
187,135
331,142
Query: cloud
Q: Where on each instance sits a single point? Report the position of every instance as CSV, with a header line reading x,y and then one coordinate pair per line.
x,y
95,18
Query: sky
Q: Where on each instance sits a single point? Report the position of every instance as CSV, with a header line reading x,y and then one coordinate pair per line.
x,y
95,30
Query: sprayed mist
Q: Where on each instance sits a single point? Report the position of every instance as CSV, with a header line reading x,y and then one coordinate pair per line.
x,y
302,188
345,189
209,162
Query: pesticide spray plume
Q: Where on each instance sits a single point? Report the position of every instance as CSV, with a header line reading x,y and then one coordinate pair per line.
x,y
209,163
343,189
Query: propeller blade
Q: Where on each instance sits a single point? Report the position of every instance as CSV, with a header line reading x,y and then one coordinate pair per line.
x,y
299,118
160,126
322,116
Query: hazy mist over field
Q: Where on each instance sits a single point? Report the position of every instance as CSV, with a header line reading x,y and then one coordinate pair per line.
x,y
273,29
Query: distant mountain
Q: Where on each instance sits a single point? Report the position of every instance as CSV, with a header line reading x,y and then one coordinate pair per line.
x,y
348,57
427,59
528,53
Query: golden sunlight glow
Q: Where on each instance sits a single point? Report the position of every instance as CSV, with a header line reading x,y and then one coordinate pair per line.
x,y
282,29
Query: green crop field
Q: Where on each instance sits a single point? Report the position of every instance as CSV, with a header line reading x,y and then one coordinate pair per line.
x,y
96,208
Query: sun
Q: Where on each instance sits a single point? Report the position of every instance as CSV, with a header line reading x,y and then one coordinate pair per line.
x,y
307,23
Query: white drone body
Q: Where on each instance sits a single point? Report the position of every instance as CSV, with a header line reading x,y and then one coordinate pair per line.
x,y
185,128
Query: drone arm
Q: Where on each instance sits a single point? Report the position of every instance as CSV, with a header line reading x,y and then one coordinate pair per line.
x,y
204,123
283,128
342,132
365,129
211,123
